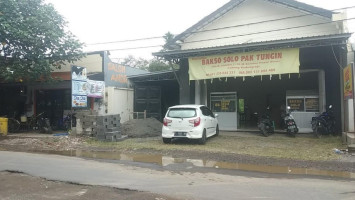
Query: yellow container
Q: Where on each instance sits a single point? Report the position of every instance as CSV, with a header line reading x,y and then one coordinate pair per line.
x,y
3,125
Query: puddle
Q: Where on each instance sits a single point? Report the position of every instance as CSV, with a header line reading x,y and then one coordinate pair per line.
x,y
167,160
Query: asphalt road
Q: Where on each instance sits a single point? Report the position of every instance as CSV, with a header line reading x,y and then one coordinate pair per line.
x,y
178,182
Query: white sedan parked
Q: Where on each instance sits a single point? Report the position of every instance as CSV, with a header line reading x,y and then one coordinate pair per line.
x,y
189,121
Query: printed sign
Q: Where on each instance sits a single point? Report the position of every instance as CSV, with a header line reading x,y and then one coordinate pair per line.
x,y
296,104
79,87
79,101
312,105
78,73
348,82
96,89
279,61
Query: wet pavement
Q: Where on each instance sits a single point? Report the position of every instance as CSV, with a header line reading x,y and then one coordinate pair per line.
x,y
171,162
182,184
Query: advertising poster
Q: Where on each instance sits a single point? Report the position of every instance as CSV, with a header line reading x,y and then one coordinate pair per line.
x,y
96,89
79,101
348,82
79,87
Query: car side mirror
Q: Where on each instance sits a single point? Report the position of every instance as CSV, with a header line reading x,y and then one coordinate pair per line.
x,y
215,115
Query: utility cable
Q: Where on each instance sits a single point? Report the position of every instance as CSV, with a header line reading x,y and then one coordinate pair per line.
x,y
226,27
211,39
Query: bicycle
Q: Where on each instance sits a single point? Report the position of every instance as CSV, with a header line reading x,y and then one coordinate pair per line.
x,y
13,125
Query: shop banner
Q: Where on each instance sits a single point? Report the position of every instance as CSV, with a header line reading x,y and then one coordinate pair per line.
x,y
79,101
96,89
79,86
278,61
348,82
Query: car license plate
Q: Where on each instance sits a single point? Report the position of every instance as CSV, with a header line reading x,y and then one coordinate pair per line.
x,y
180,134
291,127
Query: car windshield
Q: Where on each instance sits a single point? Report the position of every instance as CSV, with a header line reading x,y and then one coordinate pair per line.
x,y
182,112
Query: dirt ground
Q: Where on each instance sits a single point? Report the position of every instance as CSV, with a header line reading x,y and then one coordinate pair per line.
x,y
146,139
142,128
15,186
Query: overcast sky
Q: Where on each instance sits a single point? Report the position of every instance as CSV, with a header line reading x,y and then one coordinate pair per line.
x,y
94,21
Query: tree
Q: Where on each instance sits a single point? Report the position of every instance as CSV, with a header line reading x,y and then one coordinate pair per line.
x,y
139,63
33,39
155,64
158,65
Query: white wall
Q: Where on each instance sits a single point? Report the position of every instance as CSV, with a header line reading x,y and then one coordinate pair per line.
x,y
93,63
119,101
257,11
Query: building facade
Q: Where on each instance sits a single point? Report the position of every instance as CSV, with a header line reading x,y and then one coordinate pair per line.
x,y
253,54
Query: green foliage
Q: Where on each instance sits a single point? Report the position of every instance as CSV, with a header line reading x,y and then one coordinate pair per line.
x,y
155,64
168,37
134,62
158,65
33,39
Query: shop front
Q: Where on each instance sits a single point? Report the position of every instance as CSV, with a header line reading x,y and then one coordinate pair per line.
x,y
270,54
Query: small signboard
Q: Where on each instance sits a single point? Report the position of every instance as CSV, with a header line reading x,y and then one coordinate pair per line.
x,y
79,87
296,104
79,101
96,89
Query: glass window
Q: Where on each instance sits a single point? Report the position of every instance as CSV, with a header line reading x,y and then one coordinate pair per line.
x,y
182,113
296,104
312,104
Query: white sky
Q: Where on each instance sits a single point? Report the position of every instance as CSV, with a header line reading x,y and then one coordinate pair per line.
x,y
94,21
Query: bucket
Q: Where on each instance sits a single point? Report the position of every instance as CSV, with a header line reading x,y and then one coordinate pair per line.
x,y
3,125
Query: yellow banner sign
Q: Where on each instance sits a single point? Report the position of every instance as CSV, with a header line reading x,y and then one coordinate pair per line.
x,y
279,61
348,82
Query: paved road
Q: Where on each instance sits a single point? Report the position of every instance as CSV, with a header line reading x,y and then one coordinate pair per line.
x,y
181,184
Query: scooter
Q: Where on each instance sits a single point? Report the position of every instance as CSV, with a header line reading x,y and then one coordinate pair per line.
x,y
290,123
324,124
265,124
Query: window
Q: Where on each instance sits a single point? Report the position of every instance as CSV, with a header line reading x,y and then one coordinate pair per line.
x,y
182,113
303,103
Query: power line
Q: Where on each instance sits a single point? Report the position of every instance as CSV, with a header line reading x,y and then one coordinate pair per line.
x,y
282,29
131,40
226,27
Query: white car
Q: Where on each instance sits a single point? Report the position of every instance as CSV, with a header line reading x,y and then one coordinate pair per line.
x,y
189,121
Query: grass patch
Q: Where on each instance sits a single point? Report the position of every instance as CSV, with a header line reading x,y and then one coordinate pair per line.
x,y
303,147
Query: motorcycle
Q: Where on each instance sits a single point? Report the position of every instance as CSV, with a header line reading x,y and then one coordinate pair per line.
x,y
65,123
324,123
290,124
265,124
44,125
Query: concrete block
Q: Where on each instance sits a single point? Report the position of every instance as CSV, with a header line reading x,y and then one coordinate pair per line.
x,y
350,138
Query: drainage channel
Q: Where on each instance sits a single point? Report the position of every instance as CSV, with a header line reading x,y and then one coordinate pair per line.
x,y
168,160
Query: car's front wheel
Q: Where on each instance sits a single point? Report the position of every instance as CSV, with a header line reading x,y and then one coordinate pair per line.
x,y
167,140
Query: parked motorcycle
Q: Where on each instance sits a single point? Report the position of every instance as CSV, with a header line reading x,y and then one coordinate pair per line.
x,y
65,122
324,123
265,124
290,124
44,125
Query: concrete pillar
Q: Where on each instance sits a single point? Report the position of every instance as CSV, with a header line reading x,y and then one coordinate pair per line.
x,y
321,91
184,82
350,115
197,92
